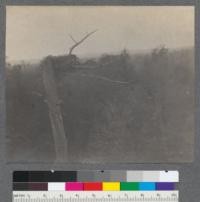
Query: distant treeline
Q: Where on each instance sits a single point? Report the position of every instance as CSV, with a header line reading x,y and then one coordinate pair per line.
x,y
122,107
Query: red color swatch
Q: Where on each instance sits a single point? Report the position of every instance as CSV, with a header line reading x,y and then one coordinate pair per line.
x,y
92,186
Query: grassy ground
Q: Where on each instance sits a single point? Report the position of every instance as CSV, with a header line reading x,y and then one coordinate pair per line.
x,y
121,108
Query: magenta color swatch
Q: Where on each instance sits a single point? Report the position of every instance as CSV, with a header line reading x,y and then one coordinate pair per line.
x,y
73,186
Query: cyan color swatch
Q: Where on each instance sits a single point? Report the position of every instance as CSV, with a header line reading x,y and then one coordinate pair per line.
x,y
147,186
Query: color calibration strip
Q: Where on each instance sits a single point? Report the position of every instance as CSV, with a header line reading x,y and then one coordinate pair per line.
x,y
95,186
96,176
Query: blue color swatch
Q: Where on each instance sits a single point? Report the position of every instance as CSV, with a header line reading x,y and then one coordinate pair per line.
x,y
147,186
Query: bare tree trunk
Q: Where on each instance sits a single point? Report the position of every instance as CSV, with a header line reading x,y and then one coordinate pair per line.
x,y
55,116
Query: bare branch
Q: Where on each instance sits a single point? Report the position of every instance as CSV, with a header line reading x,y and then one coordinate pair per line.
x,y
107,79
81,41
103,78
37,93
72,38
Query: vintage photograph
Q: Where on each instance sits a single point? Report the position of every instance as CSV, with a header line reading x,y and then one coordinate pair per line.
x,y
100,84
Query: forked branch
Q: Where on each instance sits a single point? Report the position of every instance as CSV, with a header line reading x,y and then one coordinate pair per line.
x,y
72,38
77,43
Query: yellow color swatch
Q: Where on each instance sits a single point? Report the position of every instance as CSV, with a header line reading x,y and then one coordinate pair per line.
x,y
111,186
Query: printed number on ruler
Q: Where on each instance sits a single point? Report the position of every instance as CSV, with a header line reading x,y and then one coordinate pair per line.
x,y
114,196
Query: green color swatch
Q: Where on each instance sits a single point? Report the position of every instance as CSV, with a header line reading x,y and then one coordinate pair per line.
x,y
125,186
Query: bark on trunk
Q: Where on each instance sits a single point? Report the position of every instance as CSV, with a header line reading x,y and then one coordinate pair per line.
x,y
55,115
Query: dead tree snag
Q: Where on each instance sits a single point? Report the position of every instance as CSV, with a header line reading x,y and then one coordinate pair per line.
x,y
55,115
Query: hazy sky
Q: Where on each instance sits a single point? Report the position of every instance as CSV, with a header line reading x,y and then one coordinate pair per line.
x,y
37,31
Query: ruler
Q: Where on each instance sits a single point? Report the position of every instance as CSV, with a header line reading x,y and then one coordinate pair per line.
x,y
95,196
